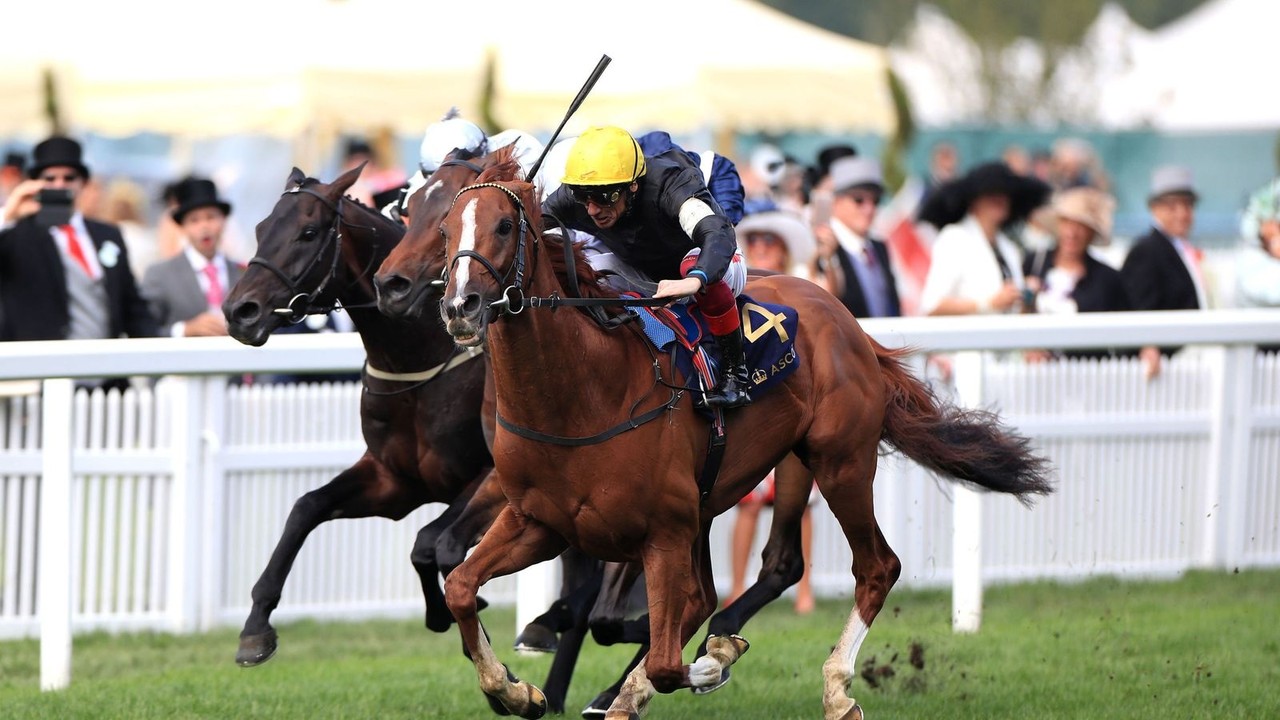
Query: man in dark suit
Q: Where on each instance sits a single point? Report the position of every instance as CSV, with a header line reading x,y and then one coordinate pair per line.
x,y
868,287
63,276
1162,269
187,290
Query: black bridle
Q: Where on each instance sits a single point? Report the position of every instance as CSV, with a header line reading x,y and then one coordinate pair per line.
x,y
514,299
303,303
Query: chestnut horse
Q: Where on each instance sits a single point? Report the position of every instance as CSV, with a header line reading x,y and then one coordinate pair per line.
x,y
403,283
581,465
421,406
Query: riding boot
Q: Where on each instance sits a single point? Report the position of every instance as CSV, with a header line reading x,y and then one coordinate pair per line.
x,y
731,390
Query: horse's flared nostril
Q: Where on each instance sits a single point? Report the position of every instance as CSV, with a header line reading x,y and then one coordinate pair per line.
x,y
471,304
245,313
393,287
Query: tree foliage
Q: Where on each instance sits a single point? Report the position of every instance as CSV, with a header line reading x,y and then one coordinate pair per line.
x,y
997,21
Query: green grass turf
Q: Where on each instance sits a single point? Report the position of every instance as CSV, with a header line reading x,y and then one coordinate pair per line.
x,y
1206,645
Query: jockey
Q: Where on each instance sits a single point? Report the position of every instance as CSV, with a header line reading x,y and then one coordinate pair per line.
x,y
658,216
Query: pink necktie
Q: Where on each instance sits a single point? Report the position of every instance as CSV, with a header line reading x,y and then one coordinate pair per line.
x,y
214,291
76,252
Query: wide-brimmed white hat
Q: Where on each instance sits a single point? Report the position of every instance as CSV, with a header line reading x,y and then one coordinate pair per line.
x,y
1089,207
793,231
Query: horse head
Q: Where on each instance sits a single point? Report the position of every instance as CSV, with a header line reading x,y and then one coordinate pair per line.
x,y
298,256
414,268
490,237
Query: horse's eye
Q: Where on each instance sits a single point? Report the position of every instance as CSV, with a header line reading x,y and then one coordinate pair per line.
x,y
309,232
504,226
443,235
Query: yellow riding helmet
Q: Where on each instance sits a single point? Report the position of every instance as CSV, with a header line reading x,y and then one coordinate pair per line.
x,y
604,156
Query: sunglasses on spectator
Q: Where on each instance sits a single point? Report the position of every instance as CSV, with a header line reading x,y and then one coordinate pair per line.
x,y
860,198
71,177
601,197
765,238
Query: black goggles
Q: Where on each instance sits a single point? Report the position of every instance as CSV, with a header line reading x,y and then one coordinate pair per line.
x,y
600,196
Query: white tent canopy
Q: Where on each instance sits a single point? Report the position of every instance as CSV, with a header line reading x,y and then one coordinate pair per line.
x,y
284,67
683,65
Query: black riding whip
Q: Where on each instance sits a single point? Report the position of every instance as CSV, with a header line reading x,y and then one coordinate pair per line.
x,y
573,107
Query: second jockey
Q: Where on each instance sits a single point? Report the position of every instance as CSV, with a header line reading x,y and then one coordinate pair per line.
x,y
657,216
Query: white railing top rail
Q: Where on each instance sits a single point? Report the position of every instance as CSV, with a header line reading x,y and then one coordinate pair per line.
x,y
338,352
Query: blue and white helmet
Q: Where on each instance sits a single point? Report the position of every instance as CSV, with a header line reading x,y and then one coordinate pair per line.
x,y
445,136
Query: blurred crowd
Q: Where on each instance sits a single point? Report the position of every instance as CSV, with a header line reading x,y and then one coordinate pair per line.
x,y
1028,232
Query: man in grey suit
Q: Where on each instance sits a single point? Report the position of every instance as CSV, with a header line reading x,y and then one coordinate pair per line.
x,y
186,291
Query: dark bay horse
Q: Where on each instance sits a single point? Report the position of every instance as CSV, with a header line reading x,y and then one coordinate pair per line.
x,y
422,403
633,497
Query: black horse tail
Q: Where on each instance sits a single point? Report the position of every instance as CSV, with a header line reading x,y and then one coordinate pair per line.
x,y
972,446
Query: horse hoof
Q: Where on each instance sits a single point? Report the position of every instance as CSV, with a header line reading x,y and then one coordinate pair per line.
x,y
600,706
437,623
536,639
256,649
537,704
724,680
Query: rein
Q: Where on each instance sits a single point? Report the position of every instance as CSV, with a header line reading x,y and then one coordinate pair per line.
x,y
295,310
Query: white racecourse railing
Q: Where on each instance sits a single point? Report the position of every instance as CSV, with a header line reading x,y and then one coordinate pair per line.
x,y
163,504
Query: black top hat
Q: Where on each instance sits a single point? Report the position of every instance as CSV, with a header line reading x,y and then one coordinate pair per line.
x,y
950,202
57,152
195,193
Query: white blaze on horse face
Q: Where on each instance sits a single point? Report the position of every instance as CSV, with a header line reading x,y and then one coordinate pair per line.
x,y
426,194
466,242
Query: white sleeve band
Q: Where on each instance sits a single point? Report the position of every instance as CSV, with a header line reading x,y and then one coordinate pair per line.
x,y
691,213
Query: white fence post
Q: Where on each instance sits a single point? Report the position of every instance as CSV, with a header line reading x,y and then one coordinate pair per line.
x,y
1230,429
54,584
185,516
213,501
966,564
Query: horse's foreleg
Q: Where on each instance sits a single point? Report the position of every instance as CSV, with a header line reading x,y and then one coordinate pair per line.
x,y
427,563
476,517
578,591
513,543
719,651
608,617
355,492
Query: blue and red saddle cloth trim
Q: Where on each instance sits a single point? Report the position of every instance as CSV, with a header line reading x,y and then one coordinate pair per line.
x,y
769,335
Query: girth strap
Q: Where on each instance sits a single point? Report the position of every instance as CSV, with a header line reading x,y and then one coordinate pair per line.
x,y
457,359
630,424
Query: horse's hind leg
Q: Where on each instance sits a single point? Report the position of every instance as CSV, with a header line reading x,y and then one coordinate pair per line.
x,y
513,543
578,591
361,490
847,489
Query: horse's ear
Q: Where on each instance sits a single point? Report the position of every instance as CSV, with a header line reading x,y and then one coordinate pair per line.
x,y
295,179
344,182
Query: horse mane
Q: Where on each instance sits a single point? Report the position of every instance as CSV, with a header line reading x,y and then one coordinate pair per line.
x,y
504,169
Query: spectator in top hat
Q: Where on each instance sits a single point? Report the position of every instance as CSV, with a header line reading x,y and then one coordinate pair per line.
x,y
62,276
857,266
186,291
1162,269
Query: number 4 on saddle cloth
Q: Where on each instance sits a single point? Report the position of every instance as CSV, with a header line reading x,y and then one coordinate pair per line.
x,y
768,333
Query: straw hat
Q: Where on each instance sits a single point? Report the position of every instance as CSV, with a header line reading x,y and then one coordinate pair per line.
x,y
1089,207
